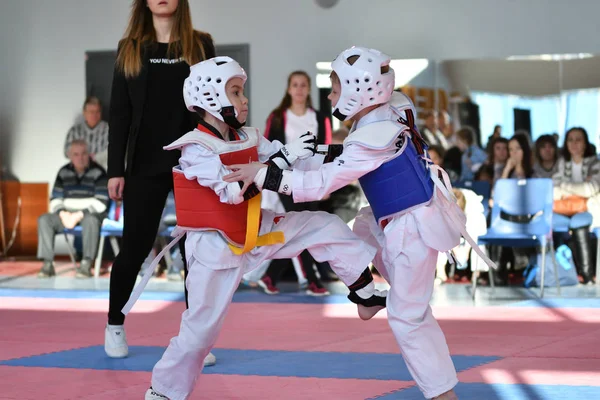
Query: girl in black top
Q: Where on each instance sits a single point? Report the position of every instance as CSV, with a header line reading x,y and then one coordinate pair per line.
x,y
520,163
147,112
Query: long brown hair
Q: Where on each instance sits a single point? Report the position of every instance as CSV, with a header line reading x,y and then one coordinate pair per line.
x,y
140,31
286,102
527,161
589,150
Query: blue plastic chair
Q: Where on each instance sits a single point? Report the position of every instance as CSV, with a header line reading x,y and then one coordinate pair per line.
x,y
111,228
481,188
530,200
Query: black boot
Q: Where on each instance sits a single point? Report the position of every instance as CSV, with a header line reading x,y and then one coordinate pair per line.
x,y
583,253
501,256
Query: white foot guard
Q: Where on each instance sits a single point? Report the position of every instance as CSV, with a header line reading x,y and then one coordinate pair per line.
x,y
115,341
210,360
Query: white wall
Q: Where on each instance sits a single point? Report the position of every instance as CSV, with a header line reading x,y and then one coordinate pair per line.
x,y
43,44
528,78
534,78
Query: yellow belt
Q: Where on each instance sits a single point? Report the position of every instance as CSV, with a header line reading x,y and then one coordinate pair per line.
x,y
253,223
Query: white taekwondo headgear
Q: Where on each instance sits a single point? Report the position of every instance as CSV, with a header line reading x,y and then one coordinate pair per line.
x,y
362,83
205,88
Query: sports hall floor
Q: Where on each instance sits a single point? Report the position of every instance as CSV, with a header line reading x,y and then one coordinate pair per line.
x,y
507,345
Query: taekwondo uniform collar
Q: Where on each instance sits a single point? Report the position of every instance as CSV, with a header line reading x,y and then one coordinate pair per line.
x,y
382,113
203,126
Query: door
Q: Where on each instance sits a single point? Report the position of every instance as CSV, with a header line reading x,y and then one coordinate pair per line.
x,y
99,67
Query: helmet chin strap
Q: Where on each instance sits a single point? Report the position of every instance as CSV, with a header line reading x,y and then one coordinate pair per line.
x,y
339,115
228,114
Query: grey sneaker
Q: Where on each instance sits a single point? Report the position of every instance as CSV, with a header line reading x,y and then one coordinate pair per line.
x,y
85,269
47,270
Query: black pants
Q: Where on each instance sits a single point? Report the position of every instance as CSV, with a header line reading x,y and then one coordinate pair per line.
x,y
143,203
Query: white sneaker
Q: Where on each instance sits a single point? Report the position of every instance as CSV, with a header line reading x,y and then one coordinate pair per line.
x,y
210,360
151,394
115,341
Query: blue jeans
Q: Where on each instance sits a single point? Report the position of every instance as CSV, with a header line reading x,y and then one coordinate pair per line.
x,y
562,223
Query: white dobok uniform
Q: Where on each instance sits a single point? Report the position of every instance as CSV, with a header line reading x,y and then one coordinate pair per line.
x,y
215,271
407,247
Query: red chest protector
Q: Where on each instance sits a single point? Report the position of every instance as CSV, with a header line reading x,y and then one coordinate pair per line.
x,y
198,207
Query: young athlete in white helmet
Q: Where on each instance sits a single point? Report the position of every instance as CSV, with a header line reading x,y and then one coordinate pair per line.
x,y
412,215
227,232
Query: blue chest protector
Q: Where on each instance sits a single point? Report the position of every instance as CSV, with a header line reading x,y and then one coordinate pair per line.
x,y
398,185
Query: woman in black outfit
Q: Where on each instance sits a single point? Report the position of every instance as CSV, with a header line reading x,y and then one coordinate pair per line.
x,y
147,112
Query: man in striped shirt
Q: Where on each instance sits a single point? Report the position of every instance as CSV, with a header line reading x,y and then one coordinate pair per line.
x,y
93,130
79,197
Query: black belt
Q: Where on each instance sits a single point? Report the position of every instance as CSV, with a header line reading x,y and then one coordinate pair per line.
x,y
520,219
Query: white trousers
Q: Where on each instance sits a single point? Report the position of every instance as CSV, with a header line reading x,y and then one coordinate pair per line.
x,y
258,273
409,265
210,290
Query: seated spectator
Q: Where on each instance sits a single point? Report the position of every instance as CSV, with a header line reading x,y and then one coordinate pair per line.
x,y
453,163
437,155
497,156
79,197
519,164
577,181
93,130
496,134
431,132
485,174
471,204
445,126
546,157
472,155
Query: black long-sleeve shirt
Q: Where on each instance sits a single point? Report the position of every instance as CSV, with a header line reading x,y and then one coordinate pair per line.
x,y
148,112
165,115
